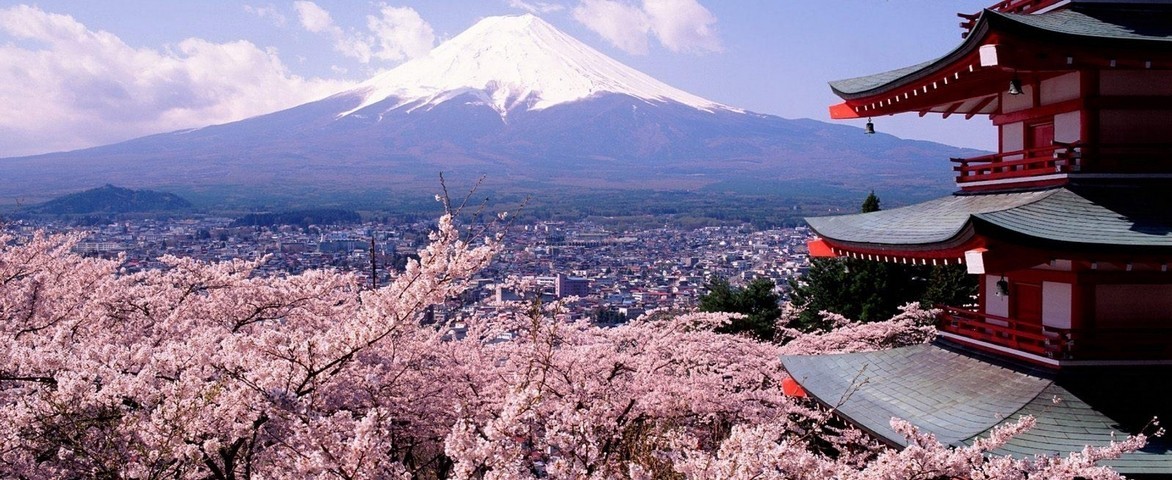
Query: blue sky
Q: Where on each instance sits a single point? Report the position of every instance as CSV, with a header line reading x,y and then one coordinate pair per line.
x,y
76,74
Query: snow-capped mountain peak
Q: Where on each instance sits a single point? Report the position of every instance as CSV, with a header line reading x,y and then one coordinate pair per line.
x,y
516,61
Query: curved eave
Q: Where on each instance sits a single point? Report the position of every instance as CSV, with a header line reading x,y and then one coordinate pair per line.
x,y
939,228
878,87
1102,220
875,85
948,251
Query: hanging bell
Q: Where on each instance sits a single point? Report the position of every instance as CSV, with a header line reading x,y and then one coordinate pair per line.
x,y
1015,86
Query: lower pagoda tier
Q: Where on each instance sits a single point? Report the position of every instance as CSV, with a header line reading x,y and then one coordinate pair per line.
x,y
1068,276
960,396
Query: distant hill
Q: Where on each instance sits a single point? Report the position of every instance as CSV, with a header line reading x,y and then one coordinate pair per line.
x,y
111,199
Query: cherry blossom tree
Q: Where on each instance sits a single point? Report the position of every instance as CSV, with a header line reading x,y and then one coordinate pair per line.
x,y
204,370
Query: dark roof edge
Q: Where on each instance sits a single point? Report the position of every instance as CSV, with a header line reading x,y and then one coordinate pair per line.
x,y
970,44
993,230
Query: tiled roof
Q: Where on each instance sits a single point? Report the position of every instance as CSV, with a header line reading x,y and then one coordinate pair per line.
x,y
862,84
1101,216
1135,216
959,398
933,221
1151,26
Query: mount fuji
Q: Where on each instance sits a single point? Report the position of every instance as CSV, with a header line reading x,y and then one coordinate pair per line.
x,y
511,98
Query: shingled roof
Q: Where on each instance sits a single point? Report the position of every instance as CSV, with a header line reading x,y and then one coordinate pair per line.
x,y
960,398
1102,217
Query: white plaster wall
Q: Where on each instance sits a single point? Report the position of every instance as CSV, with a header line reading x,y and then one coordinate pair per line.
x,y
1013,136
1013,103
1060,88
1132,305
1068,127
1135,82
1056,304
995,305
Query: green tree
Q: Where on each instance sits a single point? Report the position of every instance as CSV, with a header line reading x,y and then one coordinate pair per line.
x,y
756,301
871,203
950,285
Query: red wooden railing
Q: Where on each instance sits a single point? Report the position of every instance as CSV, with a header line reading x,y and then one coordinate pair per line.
x,y
1059,343
1065,158
1057,158
1004,331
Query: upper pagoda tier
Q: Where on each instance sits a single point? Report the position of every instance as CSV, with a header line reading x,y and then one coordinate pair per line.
x,y
1075,89
1029,48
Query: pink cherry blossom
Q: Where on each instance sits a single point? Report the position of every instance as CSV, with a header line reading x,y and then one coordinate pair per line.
x,y
204,370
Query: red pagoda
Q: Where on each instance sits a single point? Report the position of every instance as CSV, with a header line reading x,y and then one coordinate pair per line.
x,y
1068,228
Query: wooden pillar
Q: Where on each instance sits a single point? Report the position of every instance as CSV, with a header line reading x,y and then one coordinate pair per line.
x,y
1091,126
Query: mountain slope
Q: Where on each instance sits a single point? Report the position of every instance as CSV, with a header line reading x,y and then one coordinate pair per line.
x,y
511,62
516,100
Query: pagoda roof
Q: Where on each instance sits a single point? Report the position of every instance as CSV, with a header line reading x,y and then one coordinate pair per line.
x,y
1098,217
1117,26
960,397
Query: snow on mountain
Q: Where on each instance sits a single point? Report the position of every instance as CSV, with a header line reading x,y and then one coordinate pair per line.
x,y
511,62
574,120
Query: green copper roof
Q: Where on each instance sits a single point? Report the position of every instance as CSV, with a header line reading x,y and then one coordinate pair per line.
x,y
1099,217
1120,27
959,398
934,221
1135,216
863,84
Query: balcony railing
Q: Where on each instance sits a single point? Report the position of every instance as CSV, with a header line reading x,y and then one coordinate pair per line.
x,y
1031,162
1073,158
1003,331
1059,343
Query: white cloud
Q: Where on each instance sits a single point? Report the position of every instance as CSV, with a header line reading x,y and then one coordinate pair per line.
x,y
396,34
537,7
400,33
683,25
678,25
267,11
624,26
63,86
315,18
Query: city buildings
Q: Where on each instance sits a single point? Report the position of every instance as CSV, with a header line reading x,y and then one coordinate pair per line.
x,y
613,275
